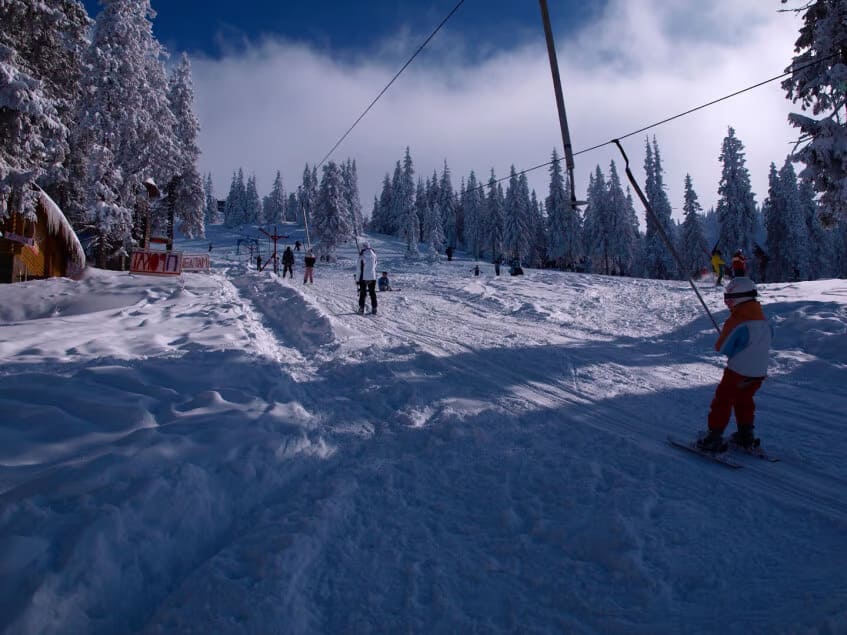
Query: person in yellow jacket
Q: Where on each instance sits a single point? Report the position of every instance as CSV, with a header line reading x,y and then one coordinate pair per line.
x,y
718,265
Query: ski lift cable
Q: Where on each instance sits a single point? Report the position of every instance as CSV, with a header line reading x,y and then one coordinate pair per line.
x,y
378,97
393,79
669,119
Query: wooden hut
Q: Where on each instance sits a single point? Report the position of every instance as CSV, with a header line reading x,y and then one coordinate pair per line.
x,y
43,247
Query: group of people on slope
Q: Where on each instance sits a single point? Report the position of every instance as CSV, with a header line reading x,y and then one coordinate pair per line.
x,y
737,268
288,264
738,264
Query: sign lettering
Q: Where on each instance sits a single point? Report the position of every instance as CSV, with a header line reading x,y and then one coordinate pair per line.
x,y
195,262
157,263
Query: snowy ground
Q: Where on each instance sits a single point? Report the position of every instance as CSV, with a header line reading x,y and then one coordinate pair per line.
x,y
236,453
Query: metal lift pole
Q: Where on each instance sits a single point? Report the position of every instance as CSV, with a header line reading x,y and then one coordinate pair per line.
x,y
560,100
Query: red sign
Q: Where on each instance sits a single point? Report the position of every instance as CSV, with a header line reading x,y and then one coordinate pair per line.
x,y
195,262
157,263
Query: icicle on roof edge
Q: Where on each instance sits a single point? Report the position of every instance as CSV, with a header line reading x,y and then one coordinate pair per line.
x,y
57,223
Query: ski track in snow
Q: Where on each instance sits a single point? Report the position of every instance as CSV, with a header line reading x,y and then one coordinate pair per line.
x,y
484,455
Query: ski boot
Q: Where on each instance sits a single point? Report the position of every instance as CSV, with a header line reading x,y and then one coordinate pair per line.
x,y
361,310
744,437
712,442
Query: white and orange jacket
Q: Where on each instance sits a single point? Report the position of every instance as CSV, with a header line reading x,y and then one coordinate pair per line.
x,y
746,339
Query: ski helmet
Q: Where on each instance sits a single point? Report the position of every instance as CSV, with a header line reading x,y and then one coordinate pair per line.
x,y
366,245
740,289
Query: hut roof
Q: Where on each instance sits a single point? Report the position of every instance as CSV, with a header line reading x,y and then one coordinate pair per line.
x,y
57,224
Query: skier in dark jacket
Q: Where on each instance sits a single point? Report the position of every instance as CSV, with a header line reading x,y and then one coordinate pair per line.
x,y
288,262
309,263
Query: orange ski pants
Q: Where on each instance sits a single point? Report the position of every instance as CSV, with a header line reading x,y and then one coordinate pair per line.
x,y
734,392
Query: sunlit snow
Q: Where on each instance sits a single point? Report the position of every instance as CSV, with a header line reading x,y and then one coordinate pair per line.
x,y
236,453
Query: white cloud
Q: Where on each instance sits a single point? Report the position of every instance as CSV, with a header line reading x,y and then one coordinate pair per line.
x,y
280,105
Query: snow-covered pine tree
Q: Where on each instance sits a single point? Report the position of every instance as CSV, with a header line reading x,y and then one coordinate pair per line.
x,y
446,207
274,207
516,221
331,222
819,82
495,208
787,235
736,208
29,130
292,209
472,203
188,187
124,107
431,193
433,232
795,222
597,227
635,238
622,233
692,247
538,227
351,195
403,199
211,203
111,221
307,197
820,239
234,208
394,212
563,222
660,262
253,204
41,50
381,215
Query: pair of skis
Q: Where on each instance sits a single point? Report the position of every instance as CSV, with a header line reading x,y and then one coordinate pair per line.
x,y
724,458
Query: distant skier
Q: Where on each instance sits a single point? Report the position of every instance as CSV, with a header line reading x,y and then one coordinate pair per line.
x,y
762,260
367,277
475,270
449,253
309,264
718,265
296,245
739,264
746,339
288,262
497,261
384,284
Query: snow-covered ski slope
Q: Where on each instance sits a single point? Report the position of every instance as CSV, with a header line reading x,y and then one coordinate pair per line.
x,y
236,453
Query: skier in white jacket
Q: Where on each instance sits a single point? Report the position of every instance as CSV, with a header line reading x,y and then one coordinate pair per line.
x,y
367,277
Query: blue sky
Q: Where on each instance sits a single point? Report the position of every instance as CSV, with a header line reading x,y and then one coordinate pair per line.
x,y
213,27
276,88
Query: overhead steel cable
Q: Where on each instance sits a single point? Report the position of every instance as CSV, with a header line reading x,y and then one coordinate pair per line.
x,y
669,119
376,99
393,79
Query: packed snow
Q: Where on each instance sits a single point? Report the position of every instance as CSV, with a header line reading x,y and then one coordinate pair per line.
x,y
234,452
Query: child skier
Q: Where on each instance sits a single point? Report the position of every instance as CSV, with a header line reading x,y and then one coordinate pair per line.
x,y
746,339
383,283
